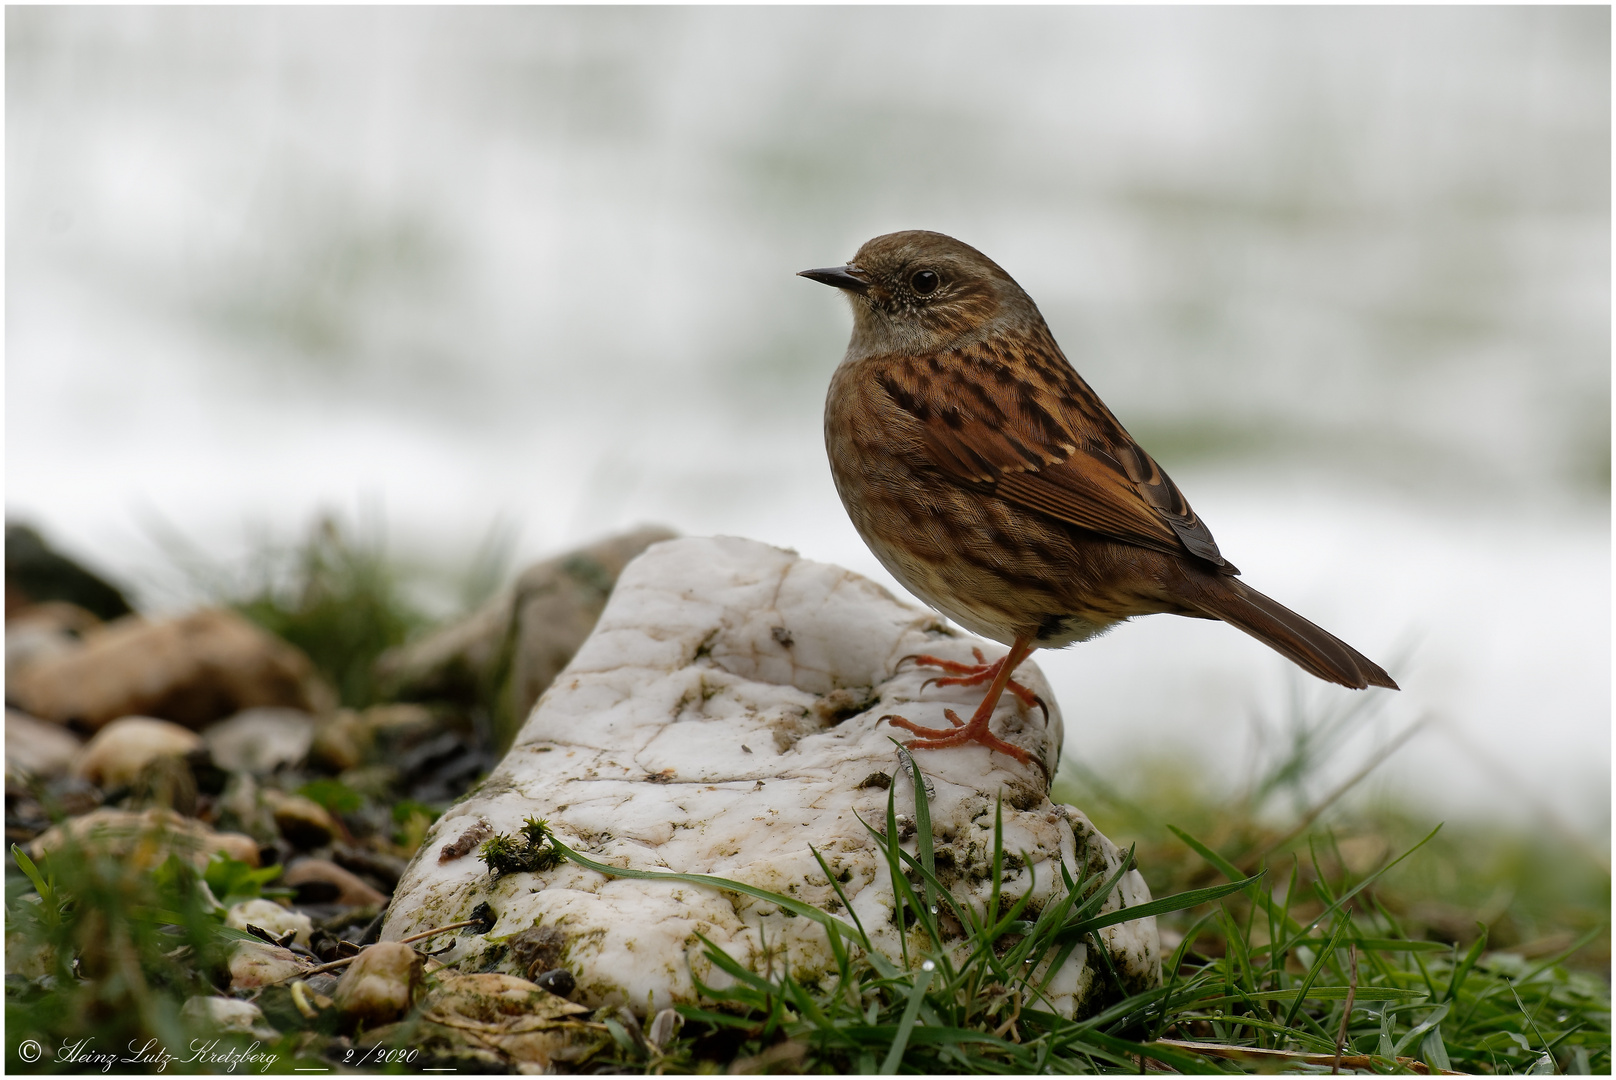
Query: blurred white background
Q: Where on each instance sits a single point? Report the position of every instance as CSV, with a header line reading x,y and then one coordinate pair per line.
x,y
1345,272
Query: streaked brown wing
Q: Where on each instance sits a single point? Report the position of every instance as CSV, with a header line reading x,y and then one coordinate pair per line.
x,y
1042,439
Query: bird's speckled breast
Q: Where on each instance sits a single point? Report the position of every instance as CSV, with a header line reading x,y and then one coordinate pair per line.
x,y
963,553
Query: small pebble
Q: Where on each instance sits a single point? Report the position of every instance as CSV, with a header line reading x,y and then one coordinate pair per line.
x,y
324,983
227,1014
119,751
268,915
261,740
305,823
558,981
37,748
379,986
256,963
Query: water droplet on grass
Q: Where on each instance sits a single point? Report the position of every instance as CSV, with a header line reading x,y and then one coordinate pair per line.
x,y
928,966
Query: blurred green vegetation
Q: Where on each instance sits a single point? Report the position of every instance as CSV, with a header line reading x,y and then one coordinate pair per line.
x,y
106,947
341,601
1531,890
340,593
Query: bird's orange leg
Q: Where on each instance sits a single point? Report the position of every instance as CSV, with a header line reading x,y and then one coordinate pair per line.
x,y
977,729
975,675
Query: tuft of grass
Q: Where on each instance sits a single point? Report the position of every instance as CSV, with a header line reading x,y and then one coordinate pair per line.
x,y
533,851
980,1006
1299,964
339,600
337,595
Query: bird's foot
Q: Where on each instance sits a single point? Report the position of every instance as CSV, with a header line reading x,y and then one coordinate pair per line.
x,y
974,675
937,738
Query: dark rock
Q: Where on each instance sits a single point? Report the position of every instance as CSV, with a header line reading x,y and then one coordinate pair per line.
x,y
324,983
71,796
323,943
351,890
351,923
537,949
209,778
315,891
559,981
384,869
373,929
35,573
305,823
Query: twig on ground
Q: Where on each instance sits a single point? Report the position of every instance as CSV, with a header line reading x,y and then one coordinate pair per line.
x,y
1251,1053
439,930
346,960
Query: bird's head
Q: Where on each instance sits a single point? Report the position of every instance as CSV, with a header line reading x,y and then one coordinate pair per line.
x,y
920,292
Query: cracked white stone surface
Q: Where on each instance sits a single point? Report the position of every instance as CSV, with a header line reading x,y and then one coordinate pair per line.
x,y
723,718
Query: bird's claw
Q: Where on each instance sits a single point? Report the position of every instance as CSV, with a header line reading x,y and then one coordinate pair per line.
x,y
959,734
959,674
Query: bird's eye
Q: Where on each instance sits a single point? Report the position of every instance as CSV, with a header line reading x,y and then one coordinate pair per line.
x,y
924,282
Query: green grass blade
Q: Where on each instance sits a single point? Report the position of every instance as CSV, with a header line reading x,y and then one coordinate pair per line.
x,y
1434,1051
1096,899
1358,888
902,892
1317,993
1225,867
830,922
923,839
1419,1030
24,863
1462,972
1177,902
911,1011
858,924
1318,966
996,867
1369,944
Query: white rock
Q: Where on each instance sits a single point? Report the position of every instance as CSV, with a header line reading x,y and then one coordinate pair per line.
x,y
268,915
219,1014
260,740
37,748
724,717
258,963
120,750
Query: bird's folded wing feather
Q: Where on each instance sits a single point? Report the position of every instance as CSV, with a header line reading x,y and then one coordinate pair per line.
x,y
1044,441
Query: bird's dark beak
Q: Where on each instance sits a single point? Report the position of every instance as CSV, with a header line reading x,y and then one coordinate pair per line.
x,y
847,277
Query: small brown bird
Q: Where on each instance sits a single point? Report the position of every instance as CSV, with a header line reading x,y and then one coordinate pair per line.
x,y
989,479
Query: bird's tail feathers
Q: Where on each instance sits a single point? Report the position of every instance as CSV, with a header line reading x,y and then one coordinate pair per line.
x,y
1312,648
